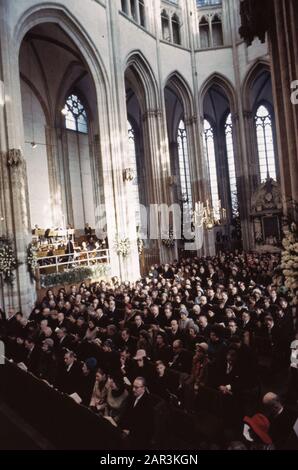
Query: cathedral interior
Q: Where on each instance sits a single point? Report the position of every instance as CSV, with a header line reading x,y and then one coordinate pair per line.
x,y
148,237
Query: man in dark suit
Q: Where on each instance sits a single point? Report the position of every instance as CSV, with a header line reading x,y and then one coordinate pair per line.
x,y
32,355
69,249
226,375
137,422
62,342
166,382
182,359
282,420
127,342
70,376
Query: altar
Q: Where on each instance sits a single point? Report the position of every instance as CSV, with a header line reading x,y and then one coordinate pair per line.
x,y
266,215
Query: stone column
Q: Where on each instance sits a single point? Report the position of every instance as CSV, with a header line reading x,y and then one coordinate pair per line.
x,y
170,28
283,51
137,9
157,171
64,159
243,180
120,214
14,193
53,166
23,292
252,148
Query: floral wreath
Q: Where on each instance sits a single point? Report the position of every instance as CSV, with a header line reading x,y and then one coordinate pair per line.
x,y
8,261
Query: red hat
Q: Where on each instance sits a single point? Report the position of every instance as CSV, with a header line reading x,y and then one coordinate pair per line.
x,y
260,425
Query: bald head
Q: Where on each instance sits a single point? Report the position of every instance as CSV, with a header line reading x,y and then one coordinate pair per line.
x,y
272,402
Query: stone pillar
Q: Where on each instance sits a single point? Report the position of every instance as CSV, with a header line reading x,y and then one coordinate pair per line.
x,y
283,51
120,216
53,166
252,148
14,193
157,171
243,180
171,29
137,9
64,159
23,291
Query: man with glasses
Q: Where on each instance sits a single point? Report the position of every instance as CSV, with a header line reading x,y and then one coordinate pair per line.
x,y
138,421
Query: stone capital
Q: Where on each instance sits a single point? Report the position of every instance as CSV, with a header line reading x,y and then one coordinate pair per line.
x,y
247,114
14,157
152,113
190,120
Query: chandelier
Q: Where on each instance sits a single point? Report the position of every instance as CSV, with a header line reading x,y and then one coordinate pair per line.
x,y
209,216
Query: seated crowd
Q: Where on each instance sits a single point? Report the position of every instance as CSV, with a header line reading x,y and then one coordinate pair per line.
x,y
222,325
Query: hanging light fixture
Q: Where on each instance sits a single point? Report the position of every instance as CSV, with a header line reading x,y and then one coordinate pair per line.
x,y
209,216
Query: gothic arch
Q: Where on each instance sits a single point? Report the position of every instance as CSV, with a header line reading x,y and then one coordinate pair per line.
x,y
38,97
61,16
259,67
224,84
66,87
180,85
139,73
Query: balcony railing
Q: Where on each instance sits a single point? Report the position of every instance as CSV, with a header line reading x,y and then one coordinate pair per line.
x,y
59,263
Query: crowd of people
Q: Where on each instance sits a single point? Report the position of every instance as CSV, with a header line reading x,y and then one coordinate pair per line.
x,y
223,325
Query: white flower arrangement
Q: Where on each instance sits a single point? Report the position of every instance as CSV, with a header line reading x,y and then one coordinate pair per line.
x,y
169,242
140,244
289,260
8,262
122,247
32,260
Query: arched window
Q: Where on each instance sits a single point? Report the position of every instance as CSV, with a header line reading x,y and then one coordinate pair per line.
x,y
266,152
133,9
142,12
176,29
75,115
184,172
165,26
204,33
209,149
124,6
132,163
217,35
231,164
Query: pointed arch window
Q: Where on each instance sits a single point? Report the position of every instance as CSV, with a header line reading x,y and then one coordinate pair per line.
x,y
184,171
124,6
217,35
165,26
132,163
204,33
231,164
209,149
176,29
142,13
267,163
75,115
